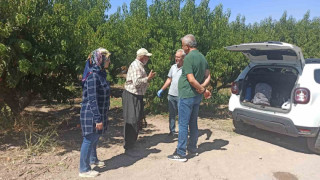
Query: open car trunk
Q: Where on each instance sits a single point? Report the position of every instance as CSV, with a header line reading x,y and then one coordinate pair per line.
x,y
278,81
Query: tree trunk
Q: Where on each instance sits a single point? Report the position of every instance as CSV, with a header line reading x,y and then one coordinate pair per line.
x,y
14,100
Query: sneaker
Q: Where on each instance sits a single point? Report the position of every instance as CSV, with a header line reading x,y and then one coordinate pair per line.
x,y
172,135
177,157
89,174
99,164
192,154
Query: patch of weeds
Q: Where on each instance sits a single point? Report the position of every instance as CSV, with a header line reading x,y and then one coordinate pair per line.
x,y
6,118
39,140
115,102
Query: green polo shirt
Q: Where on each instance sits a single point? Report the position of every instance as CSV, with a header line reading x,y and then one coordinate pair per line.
x,y
194,63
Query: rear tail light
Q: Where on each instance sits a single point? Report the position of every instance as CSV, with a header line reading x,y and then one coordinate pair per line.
x,y
235,88
301,95
304,131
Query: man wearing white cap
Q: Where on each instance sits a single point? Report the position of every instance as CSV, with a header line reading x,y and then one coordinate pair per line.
x,y
132,98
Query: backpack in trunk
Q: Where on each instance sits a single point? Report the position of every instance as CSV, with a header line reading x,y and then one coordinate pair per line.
x,y
262,94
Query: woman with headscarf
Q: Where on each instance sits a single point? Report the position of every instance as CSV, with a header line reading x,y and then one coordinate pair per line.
x,y
94,109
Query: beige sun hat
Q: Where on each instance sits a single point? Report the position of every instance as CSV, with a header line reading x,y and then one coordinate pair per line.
x,y
143,52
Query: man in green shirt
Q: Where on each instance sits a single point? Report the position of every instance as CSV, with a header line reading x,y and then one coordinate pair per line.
x,y
194,78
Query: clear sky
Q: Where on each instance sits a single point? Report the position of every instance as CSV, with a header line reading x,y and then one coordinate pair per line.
x,y
254,10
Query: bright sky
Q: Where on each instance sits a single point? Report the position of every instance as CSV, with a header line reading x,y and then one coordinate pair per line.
x,y
254,10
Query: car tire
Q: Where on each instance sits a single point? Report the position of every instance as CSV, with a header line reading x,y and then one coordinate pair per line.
x,y
314,144
241,126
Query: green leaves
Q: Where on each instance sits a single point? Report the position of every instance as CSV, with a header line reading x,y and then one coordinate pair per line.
x,y
44,44
24,45
5,30
25,66
160,27
21,19
3,49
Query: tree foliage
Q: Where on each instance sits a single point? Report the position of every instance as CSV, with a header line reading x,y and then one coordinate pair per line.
x,y
43,44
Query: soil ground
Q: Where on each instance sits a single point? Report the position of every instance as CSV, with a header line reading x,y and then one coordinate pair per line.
x,y
223,153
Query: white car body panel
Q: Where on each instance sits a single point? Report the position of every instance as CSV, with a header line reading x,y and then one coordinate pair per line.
x,y
304,115
296,61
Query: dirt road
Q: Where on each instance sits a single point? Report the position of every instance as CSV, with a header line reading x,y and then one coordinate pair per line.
x,y
224,154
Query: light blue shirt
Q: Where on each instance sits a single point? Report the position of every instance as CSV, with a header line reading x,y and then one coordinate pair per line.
x,y
174,74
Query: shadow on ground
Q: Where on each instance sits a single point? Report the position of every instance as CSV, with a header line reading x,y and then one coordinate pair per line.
x,y
217,144
145,146
71,137
297,144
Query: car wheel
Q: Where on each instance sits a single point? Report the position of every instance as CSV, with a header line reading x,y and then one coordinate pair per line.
x,y
314,144
240,126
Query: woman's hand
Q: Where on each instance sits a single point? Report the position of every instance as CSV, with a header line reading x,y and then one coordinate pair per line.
x,y
99,126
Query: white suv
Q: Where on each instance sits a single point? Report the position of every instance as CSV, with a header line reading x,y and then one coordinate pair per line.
x,y
278,91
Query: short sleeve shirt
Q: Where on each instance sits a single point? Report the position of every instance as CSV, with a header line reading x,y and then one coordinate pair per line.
x,y
194,63
174,74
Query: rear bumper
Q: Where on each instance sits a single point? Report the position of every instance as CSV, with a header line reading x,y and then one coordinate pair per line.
x,y
273,123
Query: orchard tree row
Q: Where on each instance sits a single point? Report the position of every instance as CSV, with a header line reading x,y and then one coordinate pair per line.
x,y
44,43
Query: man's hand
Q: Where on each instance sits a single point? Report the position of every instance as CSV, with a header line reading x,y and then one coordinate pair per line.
x,y
207,94
201,90
159,93
151,75
99,126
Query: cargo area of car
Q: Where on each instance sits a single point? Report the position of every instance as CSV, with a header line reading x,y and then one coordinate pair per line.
x,y
280,79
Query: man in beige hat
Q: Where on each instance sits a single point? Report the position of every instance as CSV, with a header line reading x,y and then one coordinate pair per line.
x,y
132,98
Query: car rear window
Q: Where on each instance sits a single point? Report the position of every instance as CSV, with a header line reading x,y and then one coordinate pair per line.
x,y
272,54
317,75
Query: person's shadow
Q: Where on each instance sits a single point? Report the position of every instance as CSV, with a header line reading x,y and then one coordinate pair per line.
x,y
217,144
143,149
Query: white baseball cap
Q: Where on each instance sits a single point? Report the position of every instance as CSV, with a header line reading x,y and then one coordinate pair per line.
x,y
143,52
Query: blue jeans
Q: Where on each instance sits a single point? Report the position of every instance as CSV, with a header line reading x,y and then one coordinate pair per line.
x,y
88,152
188,118
173,102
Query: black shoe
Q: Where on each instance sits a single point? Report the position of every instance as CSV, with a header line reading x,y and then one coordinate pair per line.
x,y
128,151
192,154
128,147
173,135
177,157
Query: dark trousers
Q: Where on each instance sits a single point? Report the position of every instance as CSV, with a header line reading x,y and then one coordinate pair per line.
x,y
130,136
132,113
173,102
